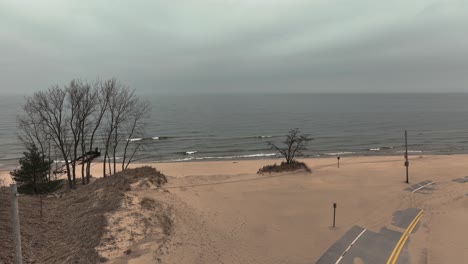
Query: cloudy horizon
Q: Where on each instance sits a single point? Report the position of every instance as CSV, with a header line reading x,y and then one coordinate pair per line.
x,y
237,45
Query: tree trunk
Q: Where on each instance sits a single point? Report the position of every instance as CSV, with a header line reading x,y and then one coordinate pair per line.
x,y
115,150
73,164
70,182
104,165
83,170
88,171
109,163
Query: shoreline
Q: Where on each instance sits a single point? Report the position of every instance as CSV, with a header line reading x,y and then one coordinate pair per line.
x,y
271,156
247,166
6,167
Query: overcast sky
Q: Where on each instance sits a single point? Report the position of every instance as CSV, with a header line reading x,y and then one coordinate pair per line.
x,y
237,45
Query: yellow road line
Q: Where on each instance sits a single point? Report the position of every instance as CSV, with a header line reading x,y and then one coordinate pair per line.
x,y
399,246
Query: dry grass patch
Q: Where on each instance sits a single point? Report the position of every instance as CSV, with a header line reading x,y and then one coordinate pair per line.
x,y
284,167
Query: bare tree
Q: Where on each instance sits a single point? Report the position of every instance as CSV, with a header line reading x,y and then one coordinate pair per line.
x,y
102,97
86,126
112,87
75,100
124,103
122,122
139,111
31,129
82,100
73,117
50,111
33,132
293,145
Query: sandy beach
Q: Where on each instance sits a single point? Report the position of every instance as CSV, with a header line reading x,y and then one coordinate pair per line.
x,y
242,217
208,99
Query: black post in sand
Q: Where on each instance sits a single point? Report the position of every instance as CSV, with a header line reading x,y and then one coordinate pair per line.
x,y
334,213
338,158
406,156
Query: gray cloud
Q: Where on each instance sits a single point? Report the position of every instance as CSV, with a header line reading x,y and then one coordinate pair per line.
x,y
237,45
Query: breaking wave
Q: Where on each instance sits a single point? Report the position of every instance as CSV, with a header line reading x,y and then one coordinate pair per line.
x,y
159,138
410,151
227,157
134,139
263,136
340,153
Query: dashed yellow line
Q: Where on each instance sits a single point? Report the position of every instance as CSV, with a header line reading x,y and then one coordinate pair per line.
x,y
399,246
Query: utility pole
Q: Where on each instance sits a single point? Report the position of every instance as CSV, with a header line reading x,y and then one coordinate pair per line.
x,y
16,224
406,156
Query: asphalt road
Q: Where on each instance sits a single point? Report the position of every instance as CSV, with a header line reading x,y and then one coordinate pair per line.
x,y
371,247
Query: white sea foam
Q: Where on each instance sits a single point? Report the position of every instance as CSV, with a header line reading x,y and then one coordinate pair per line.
x,y
257,155
60,161
339,153
184,159
410,151
240,156
190,152
374,149
227,157
159,138
134,139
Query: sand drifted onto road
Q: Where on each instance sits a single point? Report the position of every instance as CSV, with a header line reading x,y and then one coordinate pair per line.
x,y
223,212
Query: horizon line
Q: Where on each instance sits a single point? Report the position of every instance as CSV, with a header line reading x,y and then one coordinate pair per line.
x,y
25,93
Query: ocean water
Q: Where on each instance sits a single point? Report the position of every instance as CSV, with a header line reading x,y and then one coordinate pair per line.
x,y
219,127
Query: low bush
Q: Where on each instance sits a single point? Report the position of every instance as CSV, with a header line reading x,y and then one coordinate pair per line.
x,y
284,167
